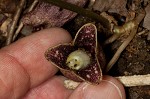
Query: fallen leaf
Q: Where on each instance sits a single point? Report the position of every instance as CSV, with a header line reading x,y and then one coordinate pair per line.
x,y
50,15
8,6
146,23
113,6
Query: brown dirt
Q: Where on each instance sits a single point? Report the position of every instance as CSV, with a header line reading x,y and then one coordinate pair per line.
x,y
135,60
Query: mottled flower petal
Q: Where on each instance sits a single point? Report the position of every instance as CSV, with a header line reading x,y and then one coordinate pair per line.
x,y
86,38
92,73
59,54
71,75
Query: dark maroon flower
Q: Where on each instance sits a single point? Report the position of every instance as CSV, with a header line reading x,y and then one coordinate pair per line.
x,y
82,59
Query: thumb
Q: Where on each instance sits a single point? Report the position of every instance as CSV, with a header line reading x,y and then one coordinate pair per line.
x,y
109,88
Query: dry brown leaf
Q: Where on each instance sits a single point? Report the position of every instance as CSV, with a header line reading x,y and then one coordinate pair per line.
x,y
50,15
2,18
113,6
146,23
8,6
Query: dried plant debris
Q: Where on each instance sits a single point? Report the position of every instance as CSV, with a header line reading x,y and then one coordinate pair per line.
x,y
8,6
50,15
113,6
146,23
5,26
135,58
138,92
148,37
2,18
2,40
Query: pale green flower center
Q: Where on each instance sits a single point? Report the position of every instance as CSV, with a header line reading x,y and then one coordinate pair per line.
x,y
78,59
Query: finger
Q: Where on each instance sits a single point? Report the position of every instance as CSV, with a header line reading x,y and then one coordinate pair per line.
x,y
109,88
51,89
23,64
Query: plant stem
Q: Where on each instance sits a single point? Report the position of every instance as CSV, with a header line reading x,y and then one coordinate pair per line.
x,y
80,10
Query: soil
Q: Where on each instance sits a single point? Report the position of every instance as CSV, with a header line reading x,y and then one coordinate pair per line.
x,y
135,61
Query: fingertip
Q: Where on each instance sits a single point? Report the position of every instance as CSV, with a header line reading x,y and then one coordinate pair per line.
x,y
57,35
116,84
28,55
51,89
109,88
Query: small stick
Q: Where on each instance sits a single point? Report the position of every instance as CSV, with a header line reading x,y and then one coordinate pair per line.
x,y
14,22
127,81
112,38
33,5
91,3
135,80
21,24
18,30
143,32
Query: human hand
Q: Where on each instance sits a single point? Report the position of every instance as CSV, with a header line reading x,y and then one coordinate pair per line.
x,y
26,74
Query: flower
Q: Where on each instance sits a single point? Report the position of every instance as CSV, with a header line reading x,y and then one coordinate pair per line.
x,y
82,59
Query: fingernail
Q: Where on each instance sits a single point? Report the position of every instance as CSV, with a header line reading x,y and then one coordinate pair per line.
x,y
107,89
116,87
84,86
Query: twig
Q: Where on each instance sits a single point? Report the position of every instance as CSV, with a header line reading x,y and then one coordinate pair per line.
x,y
136,22
143,32
18,30
127,81
91,3
112,38
21,24
33,5
15,21
135,80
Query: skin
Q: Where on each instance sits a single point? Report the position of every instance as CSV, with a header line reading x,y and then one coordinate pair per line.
x,y
26,74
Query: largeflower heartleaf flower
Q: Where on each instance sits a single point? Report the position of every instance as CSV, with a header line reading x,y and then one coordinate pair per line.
x,y
82,59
